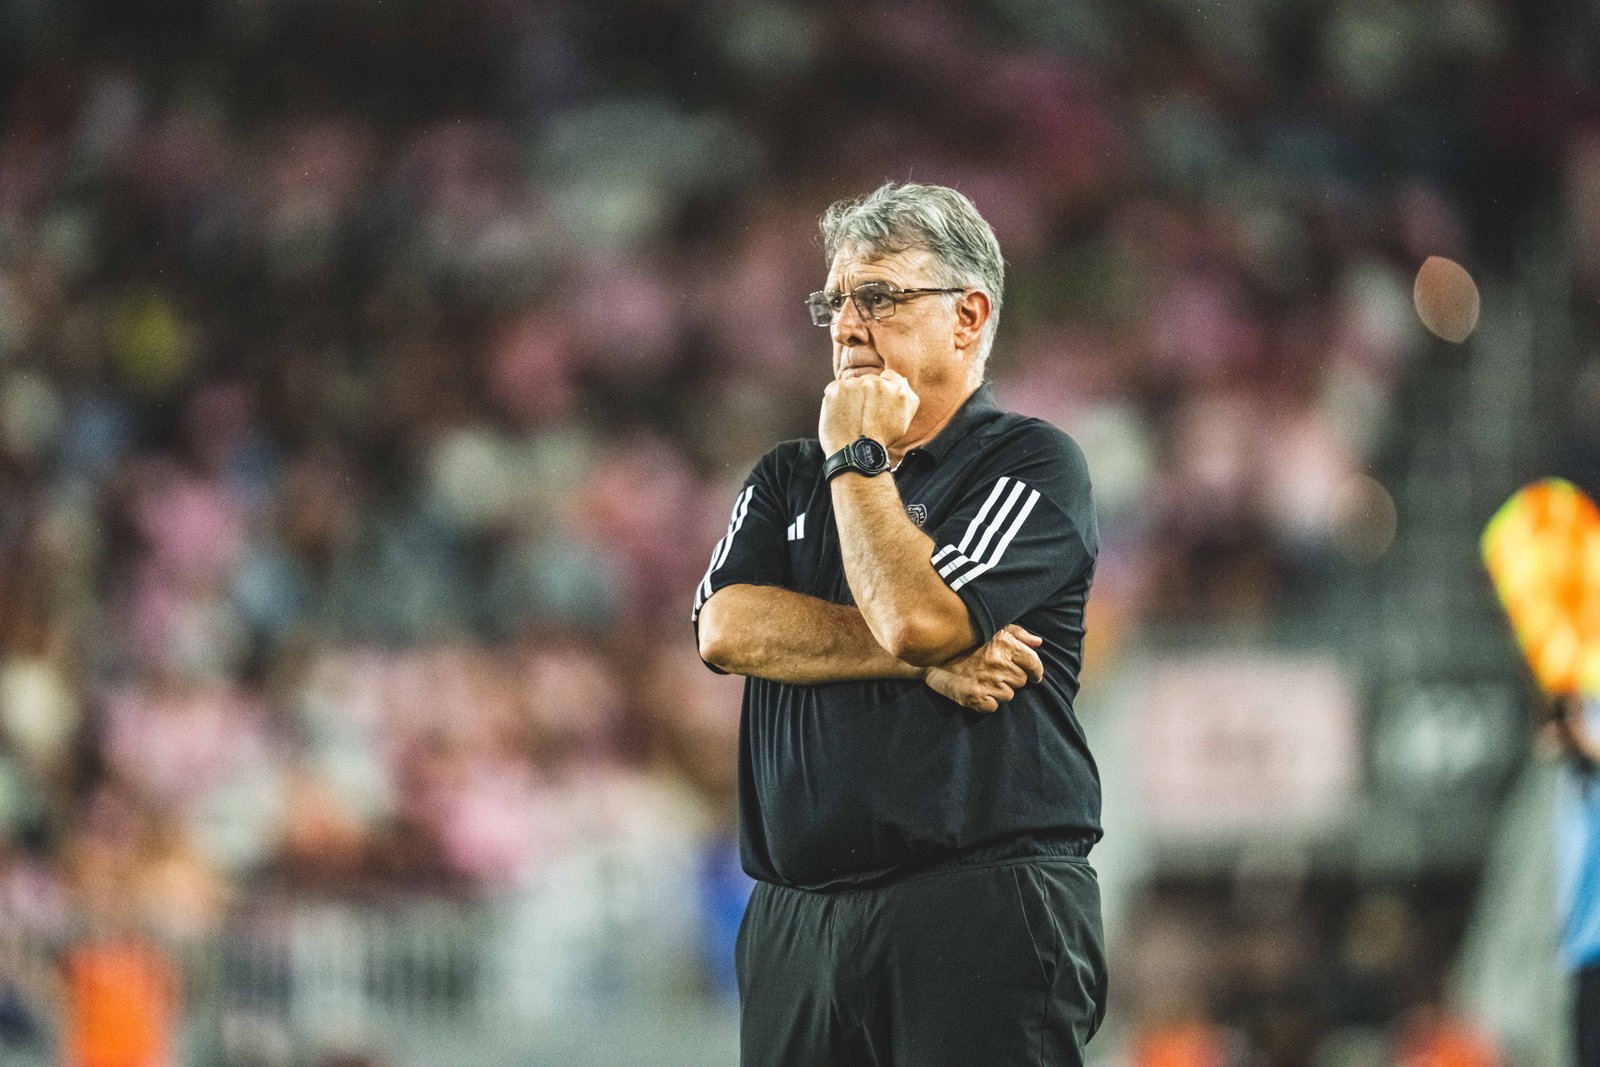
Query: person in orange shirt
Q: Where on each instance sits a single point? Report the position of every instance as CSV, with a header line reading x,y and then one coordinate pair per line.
x,y
121,1004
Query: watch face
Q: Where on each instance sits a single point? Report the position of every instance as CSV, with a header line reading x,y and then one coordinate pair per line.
x,y
870,454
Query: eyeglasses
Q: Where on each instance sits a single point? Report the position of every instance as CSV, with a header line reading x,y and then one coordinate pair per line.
x,y
874,300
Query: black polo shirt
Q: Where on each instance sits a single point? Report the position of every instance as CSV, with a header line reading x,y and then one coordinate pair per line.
x,y
850,783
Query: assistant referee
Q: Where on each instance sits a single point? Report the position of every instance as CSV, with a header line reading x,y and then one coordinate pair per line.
x,y
924,895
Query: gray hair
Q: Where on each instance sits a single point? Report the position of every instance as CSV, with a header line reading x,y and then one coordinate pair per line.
x,y
935,218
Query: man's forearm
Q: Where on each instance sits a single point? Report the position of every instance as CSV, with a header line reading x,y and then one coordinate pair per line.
x,y
783,636
887,562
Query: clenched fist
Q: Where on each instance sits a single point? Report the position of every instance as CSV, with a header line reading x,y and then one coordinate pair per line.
x,y
880,406
990,674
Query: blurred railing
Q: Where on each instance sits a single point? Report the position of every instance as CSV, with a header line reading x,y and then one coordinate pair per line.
x,y
596,970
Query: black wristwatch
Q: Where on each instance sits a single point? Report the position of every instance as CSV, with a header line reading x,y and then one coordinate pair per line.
x,y
863,455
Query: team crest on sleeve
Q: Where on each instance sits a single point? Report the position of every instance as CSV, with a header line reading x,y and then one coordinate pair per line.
x,y
917,514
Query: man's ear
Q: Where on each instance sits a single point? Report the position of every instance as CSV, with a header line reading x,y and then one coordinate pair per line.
x,y
972,314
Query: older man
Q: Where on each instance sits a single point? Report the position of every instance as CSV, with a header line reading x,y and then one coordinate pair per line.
x,y
923,891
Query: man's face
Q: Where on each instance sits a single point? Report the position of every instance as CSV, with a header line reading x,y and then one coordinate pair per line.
x,y
917,340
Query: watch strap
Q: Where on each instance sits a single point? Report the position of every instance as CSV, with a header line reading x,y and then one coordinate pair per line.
x,y
845,460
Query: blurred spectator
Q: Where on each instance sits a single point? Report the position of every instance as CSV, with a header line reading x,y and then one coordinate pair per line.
x,y
121,1003
1578,859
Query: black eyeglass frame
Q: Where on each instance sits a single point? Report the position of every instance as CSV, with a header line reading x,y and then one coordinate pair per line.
x,y
824,313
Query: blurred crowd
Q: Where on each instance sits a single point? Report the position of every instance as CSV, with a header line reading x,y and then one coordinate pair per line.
x,y
375,377
1236,974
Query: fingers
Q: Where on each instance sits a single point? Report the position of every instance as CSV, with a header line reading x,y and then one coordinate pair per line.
x,y
989,676
880,406
990,697
1031,664
1025,659
1027,638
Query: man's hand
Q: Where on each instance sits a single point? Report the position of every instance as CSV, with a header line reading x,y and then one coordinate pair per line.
x,y
879,406
990,674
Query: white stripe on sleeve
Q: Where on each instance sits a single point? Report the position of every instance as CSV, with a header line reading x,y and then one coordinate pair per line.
x,y
719,554
977,520
1017,489
1004,542
740,510
957,560
953,562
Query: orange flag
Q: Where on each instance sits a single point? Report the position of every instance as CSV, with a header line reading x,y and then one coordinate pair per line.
x,y
1542,549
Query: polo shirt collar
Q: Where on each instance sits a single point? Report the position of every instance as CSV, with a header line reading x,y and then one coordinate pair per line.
x,y
976,410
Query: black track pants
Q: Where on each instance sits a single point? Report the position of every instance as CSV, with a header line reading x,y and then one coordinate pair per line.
x,y
997,964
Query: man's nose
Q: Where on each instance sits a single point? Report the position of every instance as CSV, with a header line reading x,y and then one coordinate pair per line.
x,y
850,327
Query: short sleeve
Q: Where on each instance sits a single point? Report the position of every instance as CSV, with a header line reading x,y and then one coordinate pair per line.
x,y
1024,532
754,550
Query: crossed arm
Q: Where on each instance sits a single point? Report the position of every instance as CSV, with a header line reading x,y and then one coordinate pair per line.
x,y
767,632
909,626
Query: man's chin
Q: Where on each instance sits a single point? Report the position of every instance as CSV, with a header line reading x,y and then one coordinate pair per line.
x,y
857,372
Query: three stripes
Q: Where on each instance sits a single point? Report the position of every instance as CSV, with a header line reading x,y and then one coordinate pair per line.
x,y
954,563
741,508
986,533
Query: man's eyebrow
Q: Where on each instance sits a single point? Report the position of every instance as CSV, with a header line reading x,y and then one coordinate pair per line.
x,y
860,281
